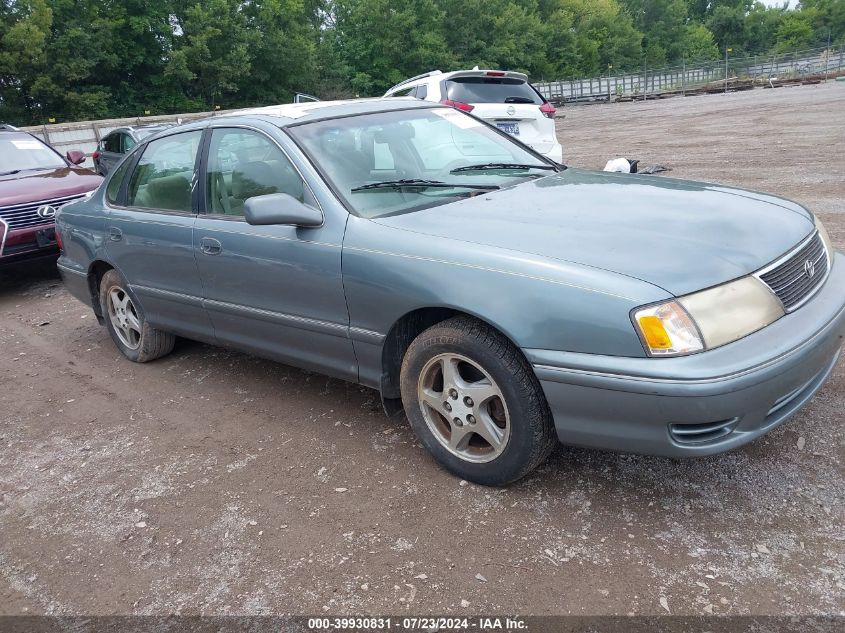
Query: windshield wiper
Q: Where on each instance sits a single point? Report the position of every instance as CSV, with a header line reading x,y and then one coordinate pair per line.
x,y
420,183
493,166
9,173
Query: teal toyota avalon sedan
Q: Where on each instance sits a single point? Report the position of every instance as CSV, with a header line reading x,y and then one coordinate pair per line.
x,y
503,301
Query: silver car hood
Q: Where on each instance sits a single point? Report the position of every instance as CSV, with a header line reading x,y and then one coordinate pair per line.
x,y
680,235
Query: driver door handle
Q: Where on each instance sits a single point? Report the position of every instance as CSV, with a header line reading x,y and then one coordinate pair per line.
x,y
210,246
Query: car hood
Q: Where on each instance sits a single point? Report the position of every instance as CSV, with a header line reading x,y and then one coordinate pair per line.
x,y
33,186
680,235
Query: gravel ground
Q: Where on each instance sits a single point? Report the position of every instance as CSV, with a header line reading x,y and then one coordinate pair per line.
x,y
211,482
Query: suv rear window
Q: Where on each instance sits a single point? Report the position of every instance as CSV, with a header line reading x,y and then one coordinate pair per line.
x,y
491,90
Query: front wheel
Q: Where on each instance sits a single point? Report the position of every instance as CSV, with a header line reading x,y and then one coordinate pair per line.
x,y
125,321
474,402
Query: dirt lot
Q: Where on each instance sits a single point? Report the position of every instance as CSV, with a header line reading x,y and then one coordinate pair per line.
x,y
214,482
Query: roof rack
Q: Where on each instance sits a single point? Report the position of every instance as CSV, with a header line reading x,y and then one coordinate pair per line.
x,y
6,126
423,76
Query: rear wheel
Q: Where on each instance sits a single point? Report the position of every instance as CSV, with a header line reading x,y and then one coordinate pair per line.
x,y
474,402
126,324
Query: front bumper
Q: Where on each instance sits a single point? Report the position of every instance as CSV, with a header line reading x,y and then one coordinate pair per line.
x,y
28,243
704,403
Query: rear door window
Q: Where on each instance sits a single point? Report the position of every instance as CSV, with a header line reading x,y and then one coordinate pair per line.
x,y
164,175
491,90
113,188
127,143
112,143
405,92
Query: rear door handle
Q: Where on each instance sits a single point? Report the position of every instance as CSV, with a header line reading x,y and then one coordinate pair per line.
x,y
210,246
115,234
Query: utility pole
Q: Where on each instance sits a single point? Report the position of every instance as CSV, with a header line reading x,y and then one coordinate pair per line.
x,y
727,50
827,55
645,78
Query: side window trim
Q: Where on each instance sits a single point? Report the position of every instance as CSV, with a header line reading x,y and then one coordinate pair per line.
x,y
137,154
200,193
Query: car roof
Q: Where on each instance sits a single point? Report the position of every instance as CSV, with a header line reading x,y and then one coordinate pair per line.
x,y
292,113
437,75
287,114
136,128
16,133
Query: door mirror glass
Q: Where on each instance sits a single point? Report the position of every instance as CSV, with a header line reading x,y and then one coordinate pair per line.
x,y
280,208
75,157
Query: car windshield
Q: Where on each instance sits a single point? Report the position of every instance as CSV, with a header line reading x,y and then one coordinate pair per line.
x,y
401,147
491,90
21,152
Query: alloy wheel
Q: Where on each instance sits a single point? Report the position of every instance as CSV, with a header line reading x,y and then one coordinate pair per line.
x,y
124,317
464,408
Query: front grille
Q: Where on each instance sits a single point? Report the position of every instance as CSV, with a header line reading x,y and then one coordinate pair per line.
x,y
799,275
702,433
21,216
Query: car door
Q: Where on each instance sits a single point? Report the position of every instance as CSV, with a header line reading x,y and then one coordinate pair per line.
x,y
111,155
149,234
273,290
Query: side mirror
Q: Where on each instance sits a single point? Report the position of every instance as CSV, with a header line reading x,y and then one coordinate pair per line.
x,y
75,157
280,208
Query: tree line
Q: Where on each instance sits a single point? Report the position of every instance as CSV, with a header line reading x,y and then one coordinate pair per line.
x,y
89,59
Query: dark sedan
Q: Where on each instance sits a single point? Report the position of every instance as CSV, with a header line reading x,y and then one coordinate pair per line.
x,y
116,144
502,300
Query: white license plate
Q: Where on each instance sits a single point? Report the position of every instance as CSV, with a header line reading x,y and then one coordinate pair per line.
x,y
510,128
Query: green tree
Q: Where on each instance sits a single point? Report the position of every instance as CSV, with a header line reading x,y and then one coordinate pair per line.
x,y
282,51
24,31
385,42
699,43
210,53
663,22
761,25
590,37
794,32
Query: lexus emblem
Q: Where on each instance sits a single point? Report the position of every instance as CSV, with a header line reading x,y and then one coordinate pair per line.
x,y
46,211
511,110
810,268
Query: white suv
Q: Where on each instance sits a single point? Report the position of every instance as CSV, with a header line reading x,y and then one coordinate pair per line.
x,y
503,98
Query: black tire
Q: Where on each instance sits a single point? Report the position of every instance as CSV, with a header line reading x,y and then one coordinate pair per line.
x,y
531,436
152,343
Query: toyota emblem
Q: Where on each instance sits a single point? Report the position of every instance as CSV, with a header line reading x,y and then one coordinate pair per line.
x,y
810,268
46,211
511,110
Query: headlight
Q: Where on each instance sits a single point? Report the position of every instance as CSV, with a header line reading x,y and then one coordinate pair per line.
x,y
707,319
667,330
825,238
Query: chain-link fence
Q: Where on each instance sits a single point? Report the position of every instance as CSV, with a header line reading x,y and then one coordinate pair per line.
x,y
712,76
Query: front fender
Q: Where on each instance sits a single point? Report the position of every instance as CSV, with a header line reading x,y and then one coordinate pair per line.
x,y
537,302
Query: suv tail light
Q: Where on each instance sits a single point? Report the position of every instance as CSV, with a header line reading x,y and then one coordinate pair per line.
x,y
95,155
548,110
59,239
460,105
495,73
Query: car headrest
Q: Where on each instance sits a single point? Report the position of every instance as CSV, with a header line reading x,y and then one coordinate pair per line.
x,y
170,192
